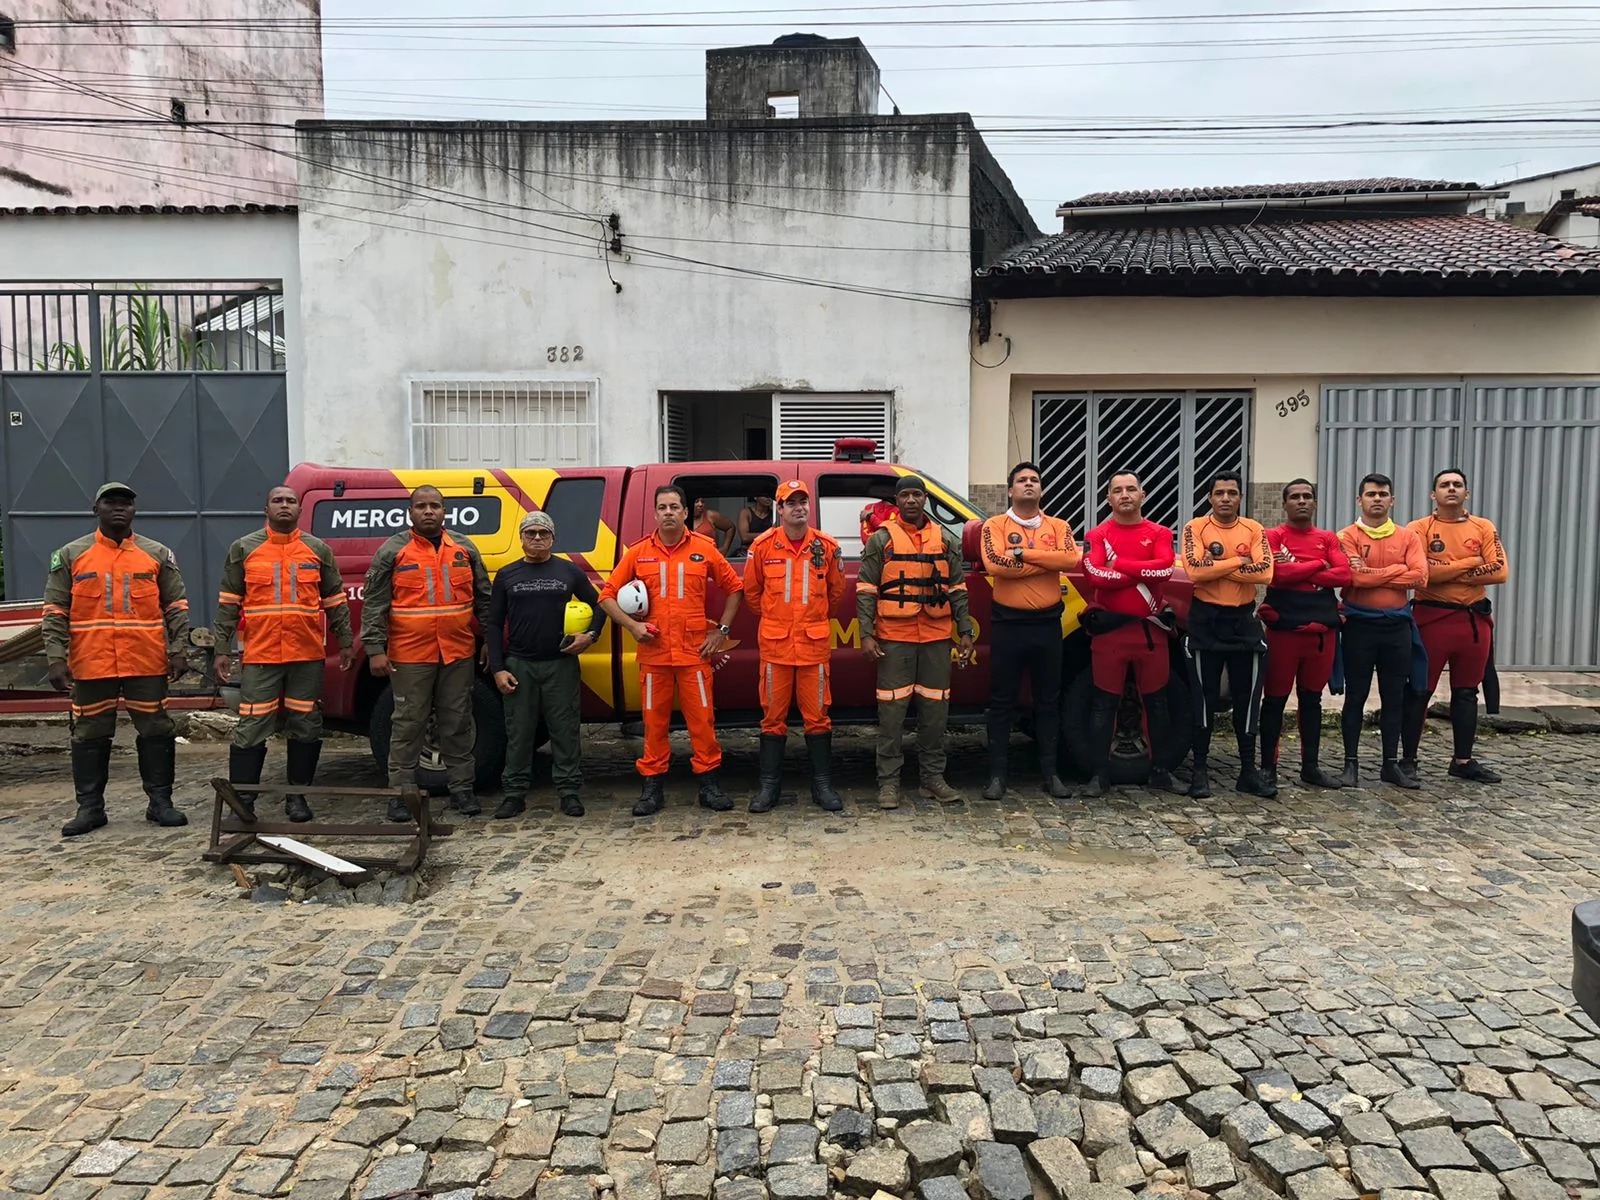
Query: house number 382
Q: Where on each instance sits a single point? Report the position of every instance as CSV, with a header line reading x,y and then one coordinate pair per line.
x,y
566,354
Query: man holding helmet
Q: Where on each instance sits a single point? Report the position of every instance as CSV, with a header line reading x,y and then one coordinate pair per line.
x,y
658,594
542,614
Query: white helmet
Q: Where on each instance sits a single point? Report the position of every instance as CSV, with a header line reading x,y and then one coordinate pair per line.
x,y
633,599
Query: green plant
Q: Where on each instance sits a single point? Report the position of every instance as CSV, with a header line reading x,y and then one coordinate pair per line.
x,y
148,341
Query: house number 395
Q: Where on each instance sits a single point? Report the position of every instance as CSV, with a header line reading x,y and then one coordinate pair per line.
x,y
566,354
1294,403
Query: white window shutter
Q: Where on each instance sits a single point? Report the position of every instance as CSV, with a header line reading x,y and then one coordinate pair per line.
x,y
807,424
674,431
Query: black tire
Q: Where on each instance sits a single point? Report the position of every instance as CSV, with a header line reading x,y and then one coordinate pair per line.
x,y
1130,759
489,745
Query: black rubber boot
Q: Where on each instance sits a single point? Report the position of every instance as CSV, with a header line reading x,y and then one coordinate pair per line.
x,y
1474,771
158,762
766,798
571,805
1464,723
301,771
819,747
1050,781
1352,773
1252,783
995,789
1413,716
1317,777
651,797
465,802
510,806
1161,780
91,766
398,810
1102,724
244,766
1393,772
1199,782
711,794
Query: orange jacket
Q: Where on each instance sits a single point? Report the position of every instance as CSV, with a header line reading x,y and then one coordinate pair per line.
x,y
793,592
1463,558
1228,578
114,611
420,602
276,587
675,577
1034,583
1383,570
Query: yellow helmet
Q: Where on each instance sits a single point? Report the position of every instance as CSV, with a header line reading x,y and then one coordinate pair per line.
x,y
579,617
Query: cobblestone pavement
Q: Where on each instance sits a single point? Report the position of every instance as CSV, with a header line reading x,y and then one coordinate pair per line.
x,y
1319,996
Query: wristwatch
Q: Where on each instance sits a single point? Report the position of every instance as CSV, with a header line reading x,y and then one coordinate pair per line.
x,y
725,630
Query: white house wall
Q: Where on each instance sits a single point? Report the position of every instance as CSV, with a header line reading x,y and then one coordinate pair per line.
x,y
483,248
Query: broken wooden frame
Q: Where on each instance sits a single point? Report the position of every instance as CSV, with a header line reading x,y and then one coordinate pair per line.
x,y
239,835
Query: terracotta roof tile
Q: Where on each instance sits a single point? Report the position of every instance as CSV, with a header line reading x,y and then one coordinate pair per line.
x,y
60,210
1446,248
1383,185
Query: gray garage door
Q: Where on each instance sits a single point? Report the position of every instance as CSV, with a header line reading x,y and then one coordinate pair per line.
x,y
195,422
1529,450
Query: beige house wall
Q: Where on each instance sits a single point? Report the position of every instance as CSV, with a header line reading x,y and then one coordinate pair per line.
x,y
1276,347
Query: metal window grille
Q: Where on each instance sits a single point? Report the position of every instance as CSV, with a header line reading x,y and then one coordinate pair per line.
x,y
1174,440
66,329
806,426
504,423
675,430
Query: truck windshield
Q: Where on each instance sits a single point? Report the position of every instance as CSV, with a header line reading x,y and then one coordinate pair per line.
x,y
949,507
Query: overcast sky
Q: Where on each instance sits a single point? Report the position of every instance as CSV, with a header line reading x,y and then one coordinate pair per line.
x,y
1038,63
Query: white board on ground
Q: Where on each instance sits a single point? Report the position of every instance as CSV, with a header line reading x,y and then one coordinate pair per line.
x,y
310,854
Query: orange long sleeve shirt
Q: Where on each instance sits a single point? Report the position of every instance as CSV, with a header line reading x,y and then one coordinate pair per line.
x,y
1229,578
1383,570
1034,584
1463,557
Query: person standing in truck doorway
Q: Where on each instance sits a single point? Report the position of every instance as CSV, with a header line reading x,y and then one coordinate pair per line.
x,y
425,588
910,599
1024,553
535,663
278,585
676,644
792,581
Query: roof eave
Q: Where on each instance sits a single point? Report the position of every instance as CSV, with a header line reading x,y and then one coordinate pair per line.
x,y
1235,204
1039,284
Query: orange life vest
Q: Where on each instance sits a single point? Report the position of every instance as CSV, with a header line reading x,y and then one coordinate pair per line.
x,y
118,626
282,606
430,613
914,589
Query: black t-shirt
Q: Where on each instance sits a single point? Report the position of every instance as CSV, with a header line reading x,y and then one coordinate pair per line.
x,y
528,609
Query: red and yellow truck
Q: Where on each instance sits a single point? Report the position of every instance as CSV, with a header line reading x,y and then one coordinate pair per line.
x,y
598,511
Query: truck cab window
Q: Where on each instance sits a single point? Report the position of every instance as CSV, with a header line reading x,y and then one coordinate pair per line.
x,y
841,500
724,497
574,505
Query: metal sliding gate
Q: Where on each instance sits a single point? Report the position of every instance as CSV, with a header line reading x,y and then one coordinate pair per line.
x,y
1530,452
178,393
1174,440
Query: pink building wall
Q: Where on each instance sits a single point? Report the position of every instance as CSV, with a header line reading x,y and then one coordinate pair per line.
x,y
239,80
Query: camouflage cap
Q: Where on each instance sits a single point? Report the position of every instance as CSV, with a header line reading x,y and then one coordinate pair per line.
x,y
111,489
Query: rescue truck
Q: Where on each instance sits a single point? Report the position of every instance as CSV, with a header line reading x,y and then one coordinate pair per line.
x,y
599,511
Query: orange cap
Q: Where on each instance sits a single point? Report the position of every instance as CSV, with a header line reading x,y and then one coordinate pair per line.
x,y
785,490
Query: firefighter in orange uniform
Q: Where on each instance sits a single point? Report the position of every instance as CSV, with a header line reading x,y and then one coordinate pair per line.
x,y
281,583
425,588
115,621
792,580
675,643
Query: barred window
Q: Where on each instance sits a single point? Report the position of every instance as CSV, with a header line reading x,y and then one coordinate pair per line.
x,y
504,423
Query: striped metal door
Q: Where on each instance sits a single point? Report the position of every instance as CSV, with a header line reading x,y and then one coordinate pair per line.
x,y
1510,438
1533,455
1173,440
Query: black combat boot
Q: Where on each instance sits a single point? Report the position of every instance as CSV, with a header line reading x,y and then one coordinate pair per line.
x,y
465,802
766,798
820,747
157,765
244,767
398,811
91,766
301,771
651,797
711,794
